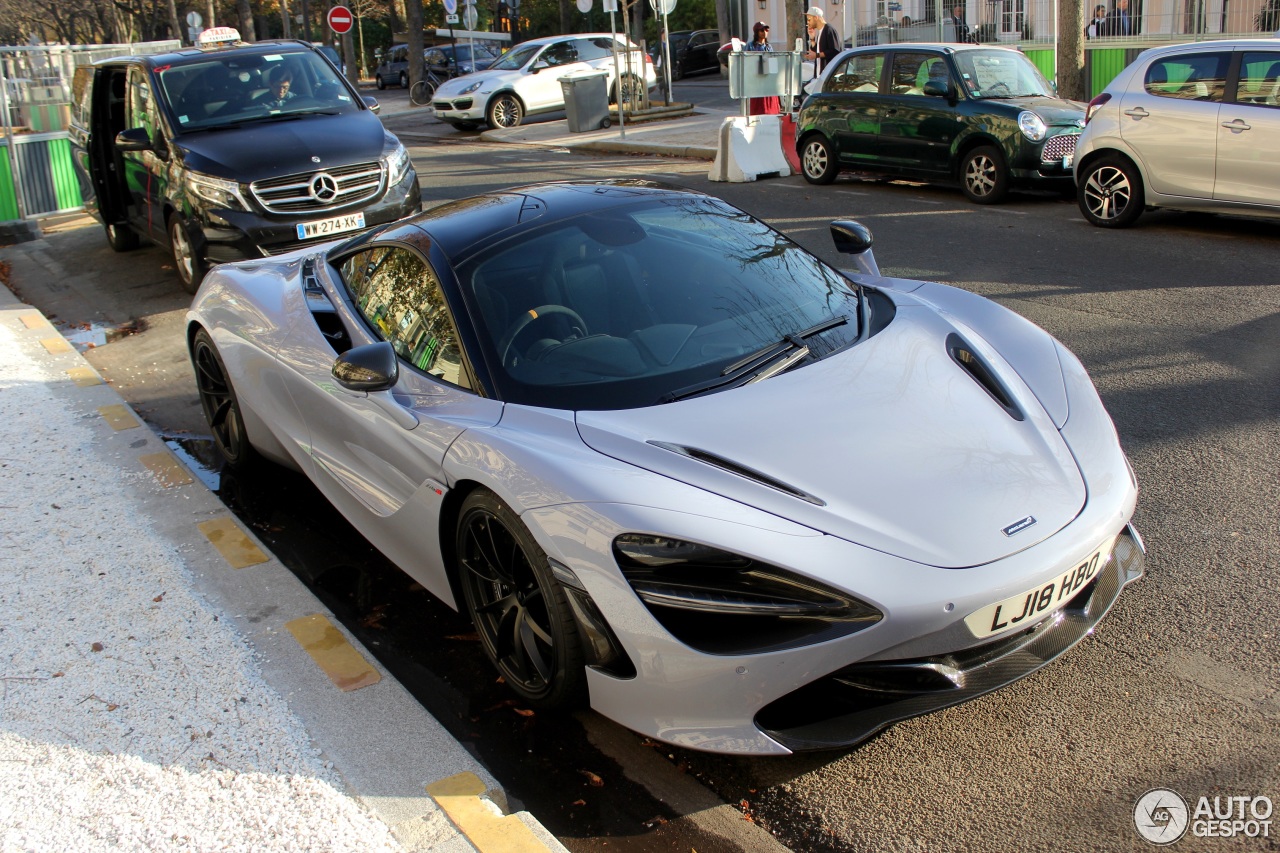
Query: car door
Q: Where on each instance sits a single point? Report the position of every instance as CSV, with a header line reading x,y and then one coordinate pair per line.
x,y
701,54
145,172
1171,121
378,456
540,88
1248,130
917,130
850,104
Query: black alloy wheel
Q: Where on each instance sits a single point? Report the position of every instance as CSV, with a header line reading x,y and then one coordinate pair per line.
x,y
186,255
519,609
218,400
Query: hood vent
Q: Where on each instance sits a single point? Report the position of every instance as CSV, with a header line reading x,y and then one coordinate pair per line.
x,y
962,354
739,470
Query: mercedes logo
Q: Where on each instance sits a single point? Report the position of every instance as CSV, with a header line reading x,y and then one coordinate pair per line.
x,y
324,188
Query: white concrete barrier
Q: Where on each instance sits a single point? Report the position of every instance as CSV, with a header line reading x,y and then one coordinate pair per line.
x,y
749,148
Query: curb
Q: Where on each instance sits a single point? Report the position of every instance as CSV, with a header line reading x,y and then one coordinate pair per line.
x,y
392,756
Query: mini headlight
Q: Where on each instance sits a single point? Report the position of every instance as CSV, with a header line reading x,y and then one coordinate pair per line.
x,y
216,191
397,160
1032,126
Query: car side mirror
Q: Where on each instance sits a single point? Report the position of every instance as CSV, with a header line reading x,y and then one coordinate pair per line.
x,y
939,89
854,238
372,103
370,368
133,139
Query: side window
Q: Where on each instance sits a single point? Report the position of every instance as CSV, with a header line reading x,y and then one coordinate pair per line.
x,y
589,50
561,53
703,39
141,110
82,95
1194,77
860,73
910,71
1259,79
399,295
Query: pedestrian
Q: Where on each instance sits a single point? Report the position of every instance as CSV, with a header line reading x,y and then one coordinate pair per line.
x,y
1098,23
769,105
1119,22
957,22
824,41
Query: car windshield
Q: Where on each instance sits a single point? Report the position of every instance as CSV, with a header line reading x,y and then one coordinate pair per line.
x,y
517,58
649,302
223,90
1000,74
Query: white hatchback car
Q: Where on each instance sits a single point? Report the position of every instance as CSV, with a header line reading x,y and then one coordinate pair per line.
x,y
526,80
1188,126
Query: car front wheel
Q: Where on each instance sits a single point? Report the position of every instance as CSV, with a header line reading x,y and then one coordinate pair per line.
x,y
505,111
186,258
382,84
121,237
1110,193
818,161
520,611
983,176
218,400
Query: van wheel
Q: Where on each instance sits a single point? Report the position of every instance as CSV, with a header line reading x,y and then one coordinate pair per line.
x,y
121,237
382,84
404,80
190,266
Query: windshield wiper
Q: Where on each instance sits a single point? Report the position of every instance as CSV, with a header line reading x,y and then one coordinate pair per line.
x,y
775,358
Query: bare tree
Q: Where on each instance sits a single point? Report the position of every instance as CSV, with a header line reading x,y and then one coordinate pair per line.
x,y
1071,83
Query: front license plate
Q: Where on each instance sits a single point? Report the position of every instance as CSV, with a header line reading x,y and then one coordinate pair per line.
x,y
1029,607
1068,160
336,225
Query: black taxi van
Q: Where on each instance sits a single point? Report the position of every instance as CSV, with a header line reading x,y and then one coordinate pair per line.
x,y
228,151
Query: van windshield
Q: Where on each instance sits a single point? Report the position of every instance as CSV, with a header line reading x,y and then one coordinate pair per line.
x,y
225,89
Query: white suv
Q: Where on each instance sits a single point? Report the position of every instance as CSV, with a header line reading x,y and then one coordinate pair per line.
x,y
1188,127
526,80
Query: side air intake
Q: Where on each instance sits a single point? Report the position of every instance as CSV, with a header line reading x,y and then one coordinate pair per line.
x,y
739,470
969,361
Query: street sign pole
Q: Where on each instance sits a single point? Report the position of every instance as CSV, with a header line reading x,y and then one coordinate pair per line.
x,y
612,6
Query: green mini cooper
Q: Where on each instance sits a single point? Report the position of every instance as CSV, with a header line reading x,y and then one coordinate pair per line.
x,y
983,117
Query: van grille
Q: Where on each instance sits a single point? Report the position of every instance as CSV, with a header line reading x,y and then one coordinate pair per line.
x,y
321,190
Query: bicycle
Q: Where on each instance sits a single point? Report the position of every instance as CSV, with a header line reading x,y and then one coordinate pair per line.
x,y
424,90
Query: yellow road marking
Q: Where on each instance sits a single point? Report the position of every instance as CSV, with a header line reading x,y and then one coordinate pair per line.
x,y
84,376
232,543
330,649
118,417
56,346
34,321
168,470
459,797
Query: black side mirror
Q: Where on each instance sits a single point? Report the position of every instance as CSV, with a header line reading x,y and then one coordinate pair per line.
x,y
372,367
133,139
939,89
854,238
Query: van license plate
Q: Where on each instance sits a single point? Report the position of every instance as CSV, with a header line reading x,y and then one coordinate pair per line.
x,y
336,225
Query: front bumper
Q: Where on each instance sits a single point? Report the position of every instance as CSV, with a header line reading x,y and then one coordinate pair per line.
x,y
237,235
1049,163
853,703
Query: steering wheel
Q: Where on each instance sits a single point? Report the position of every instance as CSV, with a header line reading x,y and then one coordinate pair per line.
x,y
998,87
532,315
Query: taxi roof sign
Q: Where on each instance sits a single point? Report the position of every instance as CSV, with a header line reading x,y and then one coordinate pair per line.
x,y
218,35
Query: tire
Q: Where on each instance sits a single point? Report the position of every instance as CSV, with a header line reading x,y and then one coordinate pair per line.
x,y
121,237
677,72
220,404
422,92
186,259
465,125
519,609
1110,193
381,84
818,160
632,89
984,176
404,80
504,110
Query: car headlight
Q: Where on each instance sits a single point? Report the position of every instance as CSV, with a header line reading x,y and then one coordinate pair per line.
x,y
719,602
1032,126
397,160
216,191
470,87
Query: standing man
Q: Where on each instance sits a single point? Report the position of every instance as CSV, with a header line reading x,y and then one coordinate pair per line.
x,y
1119,22
957,21
824,42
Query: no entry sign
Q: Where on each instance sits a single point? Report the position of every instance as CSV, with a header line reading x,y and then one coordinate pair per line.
x,y
340,19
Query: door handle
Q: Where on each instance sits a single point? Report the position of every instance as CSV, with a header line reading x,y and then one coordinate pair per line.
x,y
1137,112
1236,125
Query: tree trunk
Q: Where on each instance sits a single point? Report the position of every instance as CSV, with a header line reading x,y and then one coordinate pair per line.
x,y
413,23
566,25
1071,82
722,21
245,14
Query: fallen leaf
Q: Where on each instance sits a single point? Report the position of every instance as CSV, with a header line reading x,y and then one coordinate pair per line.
x,y
655,821
59,674
596,781
159,597
523,712
97,647
578,803
112,707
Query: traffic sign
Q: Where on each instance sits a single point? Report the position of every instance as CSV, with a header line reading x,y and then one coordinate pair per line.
x,y
451,19
584,6
340,19
665,7
470,18
194,19
451,7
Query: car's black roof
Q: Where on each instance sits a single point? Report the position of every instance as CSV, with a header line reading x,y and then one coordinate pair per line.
x,y
195,54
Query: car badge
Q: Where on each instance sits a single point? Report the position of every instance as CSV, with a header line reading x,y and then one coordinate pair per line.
x,y
323,187
1019,526
315,159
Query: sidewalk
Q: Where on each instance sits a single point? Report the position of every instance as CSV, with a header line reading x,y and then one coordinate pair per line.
x,y
167,683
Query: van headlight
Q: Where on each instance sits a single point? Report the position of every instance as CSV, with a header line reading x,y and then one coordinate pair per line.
x,y
397,162
1032,126
216,191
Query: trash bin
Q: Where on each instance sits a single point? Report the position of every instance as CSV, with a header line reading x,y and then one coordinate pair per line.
x,y
586,100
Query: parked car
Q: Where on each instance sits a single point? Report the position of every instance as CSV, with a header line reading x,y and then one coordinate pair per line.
x,y
393,69
526,80
692,52
331,53
232,152
449,60
983,117
1189,127
670,462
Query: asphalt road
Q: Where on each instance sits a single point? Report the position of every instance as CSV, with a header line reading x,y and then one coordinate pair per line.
x,y
1178,322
